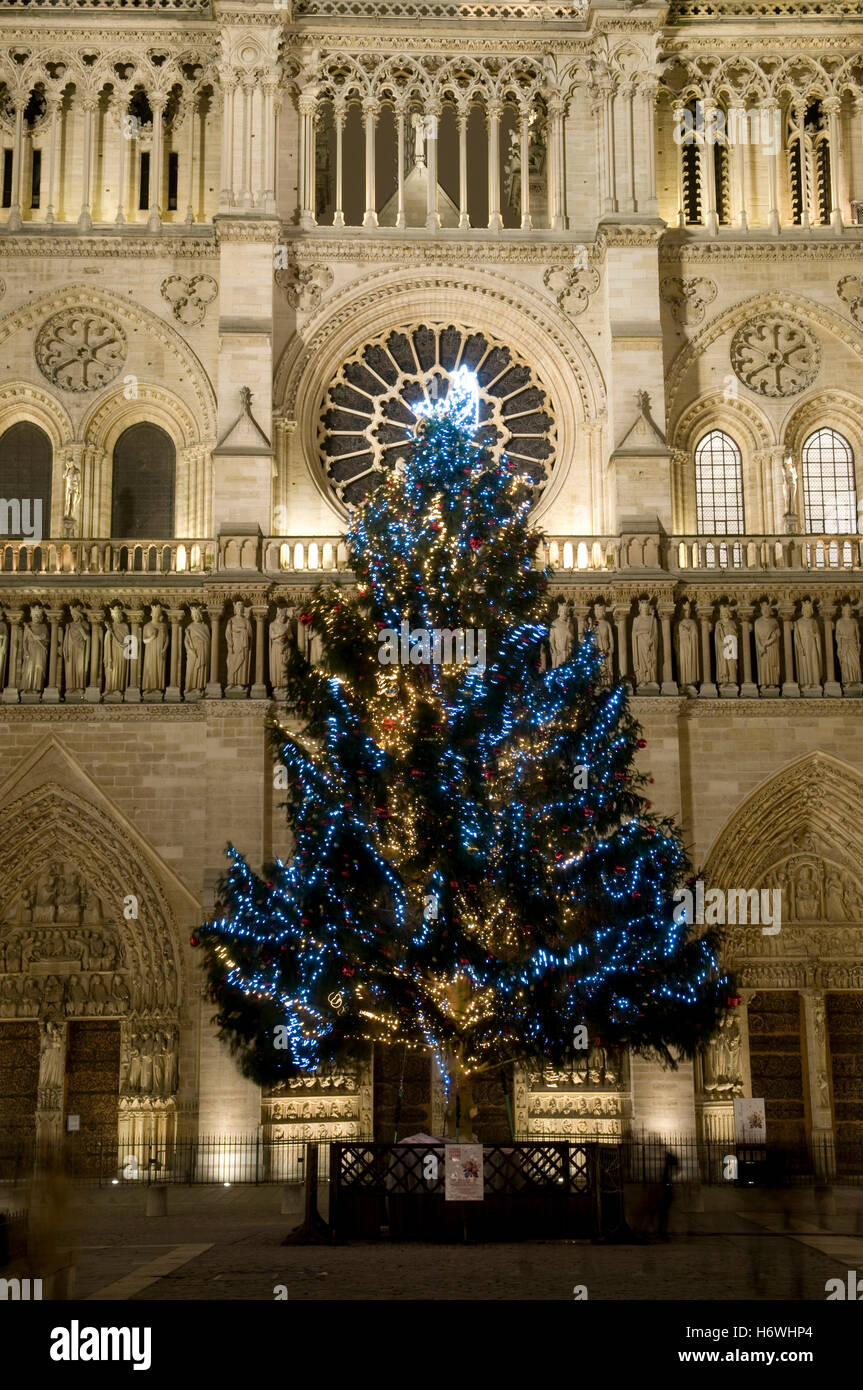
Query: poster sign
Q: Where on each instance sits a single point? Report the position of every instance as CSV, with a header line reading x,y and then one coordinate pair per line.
x,y
750,1125
464,1181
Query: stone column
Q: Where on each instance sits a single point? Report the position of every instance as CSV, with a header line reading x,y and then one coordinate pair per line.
x,y
228,83
259,689
268,175
816,1077
121,105
463,216
748,690
51,693
190,156
93,693
620,616
158,102
53,105
831,684
132,693
432,212
772,197
669,685
307,108
493,115
790,688
85,221
738,124
10,692
581,612
557,113
370,119
627,93
51,1089
173,693
524,160
708,689
648,106
608,147
14,222
339,115
214,685
248,86
676,109
832,109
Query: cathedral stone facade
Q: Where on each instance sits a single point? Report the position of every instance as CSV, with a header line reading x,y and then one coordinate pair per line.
x,y
241,242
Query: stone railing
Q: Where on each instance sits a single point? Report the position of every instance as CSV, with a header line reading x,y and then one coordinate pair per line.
x,y
95,557
760,553
687,556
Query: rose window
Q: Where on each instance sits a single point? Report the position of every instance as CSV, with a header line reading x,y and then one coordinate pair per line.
x,y
79,350
775,355
371,408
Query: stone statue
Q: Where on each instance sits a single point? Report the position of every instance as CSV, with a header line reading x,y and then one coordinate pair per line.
x,y
645,637
725,637
197,644
807,647
35,650
51,1056
114,652
72,490
848,646
98,995
560,636
238,635
155,638
281,629
789,486
604,637
767,647
721,1060
687,646
76,649
4,645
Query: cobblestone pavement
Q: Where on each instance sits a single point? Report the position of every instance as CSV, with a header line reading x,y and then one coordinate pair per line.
x,y
219,1244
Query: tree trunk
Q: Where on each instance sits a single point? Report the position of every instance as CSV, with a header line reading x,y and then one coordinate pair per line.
x,y
461,1112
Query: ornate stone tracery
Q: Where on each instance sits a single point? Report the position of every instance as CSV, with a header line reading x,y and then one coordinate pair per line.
x,y
775,355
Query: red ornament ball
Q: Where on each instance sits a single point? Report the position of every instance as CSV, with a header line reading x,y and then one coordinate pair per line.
x,y
194,941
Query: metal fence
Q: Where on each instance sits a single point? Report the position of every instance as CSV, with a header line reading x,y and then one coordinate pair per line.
x,y
254,1160
213,1159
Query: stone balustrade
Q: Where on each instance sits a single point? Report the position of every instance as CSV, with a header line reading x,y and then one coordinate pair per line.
x,y
295,555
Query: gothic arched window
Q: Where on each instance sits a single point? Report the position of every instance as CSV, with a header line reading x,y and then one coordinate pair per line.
x,y
718,485
143,488
26,458
829,490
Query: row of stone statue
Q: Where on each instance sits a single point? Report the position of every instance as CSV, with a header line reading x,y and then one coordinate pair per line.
x,y
93,655
88,950
78,996
150,1067
807,639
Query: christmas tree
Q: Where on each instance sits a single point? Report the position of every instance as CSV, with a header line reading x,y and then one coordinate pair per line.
x,y
476,869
